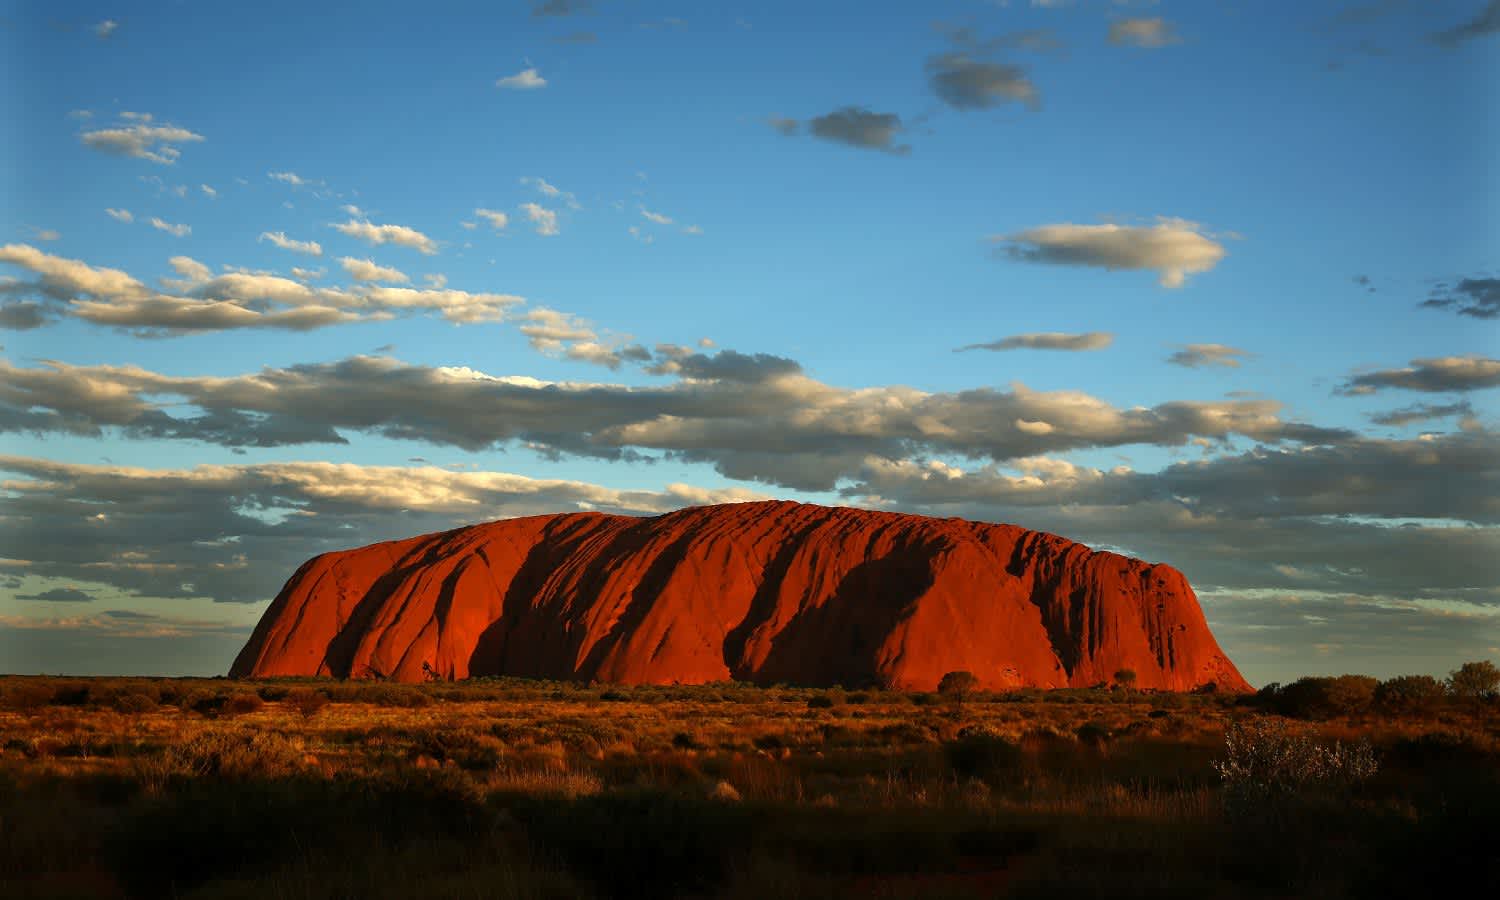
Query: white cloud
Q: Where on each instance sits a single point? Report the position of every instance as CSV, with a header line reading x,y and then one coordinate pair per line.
x,y
292,178
236,299
389,234
279,238
1150,33
208,191
156,143
190,269
324,506
366,270
1195,356
542,219
66,276
106,28
1048,340
498,220
524,80
656,217
308,274
752,417
1174,248
169,228
547,189
120,215
547,329
1433,375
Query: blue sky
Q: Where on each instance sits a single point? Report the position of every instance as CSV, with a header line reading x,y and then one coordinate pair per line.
x,y
761,232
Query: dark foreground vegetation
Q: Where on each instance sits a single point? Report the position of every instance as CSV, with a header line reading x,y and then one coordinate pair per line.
x,y
507,788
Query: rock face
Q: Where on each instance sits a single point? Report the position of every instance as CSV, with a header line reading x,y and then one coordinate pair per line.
x,y
763,592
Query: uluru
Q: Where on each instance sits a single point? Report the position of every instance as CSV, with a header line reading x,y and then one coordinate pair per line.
x,y
763,592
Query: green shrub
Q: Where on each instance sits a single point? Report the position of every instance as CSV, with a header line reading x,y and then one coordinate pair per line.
x,y
1409,694
1475,680
979,752
1321,698
958,685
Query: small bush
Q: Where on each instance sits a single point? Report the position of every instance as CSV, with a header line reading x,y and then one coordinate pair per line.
x,y
26,697
1093,734
981,753
306,702
958,685
1409,694
242,704
237,753
1264,759
135,703
820,701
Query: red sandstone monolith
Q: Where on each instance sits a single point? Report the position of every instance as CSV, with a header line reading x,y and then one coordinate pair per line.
x,y
763,592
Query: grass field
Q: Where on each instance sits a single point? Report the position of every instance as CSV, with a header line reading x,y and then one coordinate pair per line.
x,y
511,788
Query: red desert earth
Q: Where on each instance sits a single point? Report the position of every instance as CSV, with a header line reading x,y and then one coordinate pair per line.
x,y
762,592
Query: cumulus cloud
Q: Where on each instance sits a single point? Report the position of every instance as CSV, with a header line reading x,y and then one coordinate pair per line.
x,y
498,220
279,238
63,276
1486,23
656,217
138,139
170,228
543,220
1197,356
1174,248
120,215
548,189
22,315
1422,412
1047,340
235,299
547,329
1150,33
1436,375
399,235
966,83
752,417
1478,298
524,80
292,178
233,533
367,270
859,127
106,28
